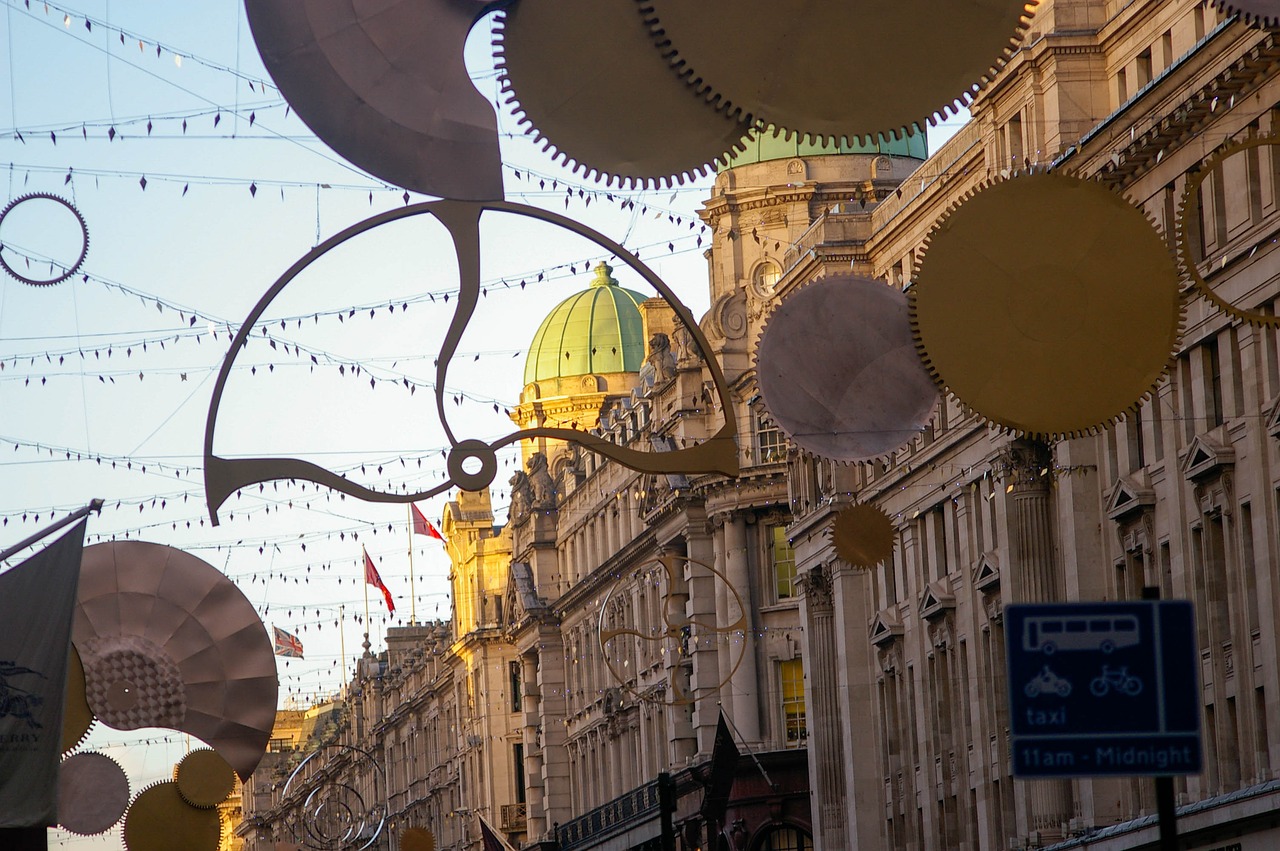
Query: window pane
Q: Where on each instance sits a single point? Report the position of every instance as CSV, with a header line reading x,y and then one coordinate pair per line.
x,y
784,563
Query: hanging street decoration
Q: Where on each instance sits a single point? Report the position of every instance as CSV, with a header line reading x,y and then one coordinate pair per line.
x,y
1082,321
863,535
1262,14
13,256
863,392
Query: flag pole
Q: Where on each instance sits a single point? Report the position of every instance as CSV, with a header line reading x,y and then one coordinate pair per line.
x,y
413,598
364,566
94,505
342,644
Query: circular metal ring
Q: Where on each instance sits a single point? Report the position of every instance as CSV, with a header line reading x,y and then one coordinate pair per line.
x,y
464,451
84,239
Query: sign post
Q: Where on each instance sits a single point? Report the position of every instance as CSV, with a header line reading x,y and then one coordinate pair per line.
x,y
1100,689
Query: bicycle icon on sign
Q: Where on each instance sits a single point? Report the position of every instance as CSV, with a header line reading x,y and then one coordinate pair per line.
x,y
1049,634
1118,679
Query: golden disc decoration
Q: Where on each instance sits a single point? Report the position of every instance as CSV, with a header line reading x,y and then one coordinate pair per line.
x,y
159,820
1047,304
863,535
587,79
204,778
837,69
417,839
1190,206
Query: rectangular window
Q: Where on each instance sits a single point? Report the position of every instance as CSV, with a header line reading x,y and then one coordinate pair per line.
x,y
791,673
770,445
517,770
783,559
515,686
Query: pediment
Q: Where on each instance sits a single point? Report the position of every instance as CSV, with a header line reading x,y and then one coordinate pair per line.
x,y
1130,495
986,573
885,627
521,600
1206,457
936,600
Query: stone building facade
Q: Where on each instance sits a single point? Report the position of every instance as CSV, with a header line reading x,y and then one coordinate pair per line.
x,y
599,635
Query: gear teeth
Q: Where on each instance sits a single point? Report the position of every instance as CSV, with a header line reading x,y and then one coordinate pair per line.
x,y
1255,19
621,181
968,410
719,102
112,785
1190,197
84,236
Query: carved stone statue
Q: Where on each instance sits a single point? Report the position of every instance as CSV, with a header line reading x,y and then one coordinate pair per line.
x,y
521,495
687,351
542,488
660,366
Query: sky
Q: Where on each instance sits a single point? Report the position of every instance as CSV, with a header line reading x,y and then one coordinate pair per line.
x,y
198,187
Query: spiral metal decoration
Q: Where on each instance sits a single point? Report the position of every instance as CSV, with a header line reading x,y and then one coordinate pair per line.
x,y
332,810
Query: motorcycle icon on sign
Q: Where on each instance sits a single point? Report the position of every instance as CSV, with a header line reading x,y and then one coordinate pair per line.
x,y
1118,679
1047,682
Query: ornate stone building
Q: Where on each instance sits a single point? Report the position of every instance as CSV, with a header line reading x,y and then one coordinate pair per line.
x,y
598,636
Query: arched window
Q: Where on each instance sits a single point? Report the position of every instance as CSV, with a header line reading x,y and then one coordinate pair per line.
x,y
786,838
764,280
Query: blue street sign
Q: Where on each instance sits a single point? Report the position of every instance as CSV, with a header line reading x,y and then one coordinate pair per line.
x,y
1103,688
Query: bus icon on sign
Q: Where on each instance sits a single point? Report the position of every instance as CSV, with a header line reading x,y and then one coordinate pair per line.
x,y
1048,635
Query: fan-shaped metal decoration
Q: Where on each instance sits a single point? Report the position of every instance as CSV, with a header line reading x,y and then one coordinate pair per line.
x,y
384,85
837,69
159,820
77,717
863,535
1047,304
1189,214
1263,14
838,371
223,476
204,778
587,79
93,793
167,640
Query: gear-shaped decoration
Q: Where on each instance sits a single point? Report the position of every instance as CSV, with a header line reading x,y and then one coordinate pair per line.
x,y
471,463
585,77
838,370
159,820
66,270
169,641
93,793
204,778
77,717
1189,223
1261,14
417,839
1047,304
803,65
863,535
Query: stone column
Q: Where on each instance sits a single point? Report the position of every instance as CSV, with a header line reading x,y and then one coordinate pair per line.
x,y
823,711
1024,466
721,641
744,683
537,823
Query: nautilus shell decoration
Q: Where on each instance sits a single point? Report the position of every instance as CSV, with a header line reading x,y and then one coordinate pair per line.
x,y
167,640
471,463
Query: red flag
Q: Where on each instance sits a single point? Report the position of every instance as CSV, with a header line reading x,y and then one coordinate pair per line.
x,y
423,526
287,644
371,577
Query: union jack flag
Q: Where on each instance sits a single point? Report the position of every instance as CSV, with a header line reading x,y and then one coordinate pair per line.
x,y
287,644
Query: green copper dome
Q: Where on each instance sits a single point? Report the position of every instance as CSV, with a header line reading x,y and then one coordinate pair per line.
x,y
597,331
762,147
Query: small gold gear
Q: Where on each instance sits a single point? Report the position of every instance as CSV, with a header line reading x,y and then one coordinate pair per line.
x,y
586,77
204,778
1190,206
159,820
417,839
818,67
1047,304
77,717
863,535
